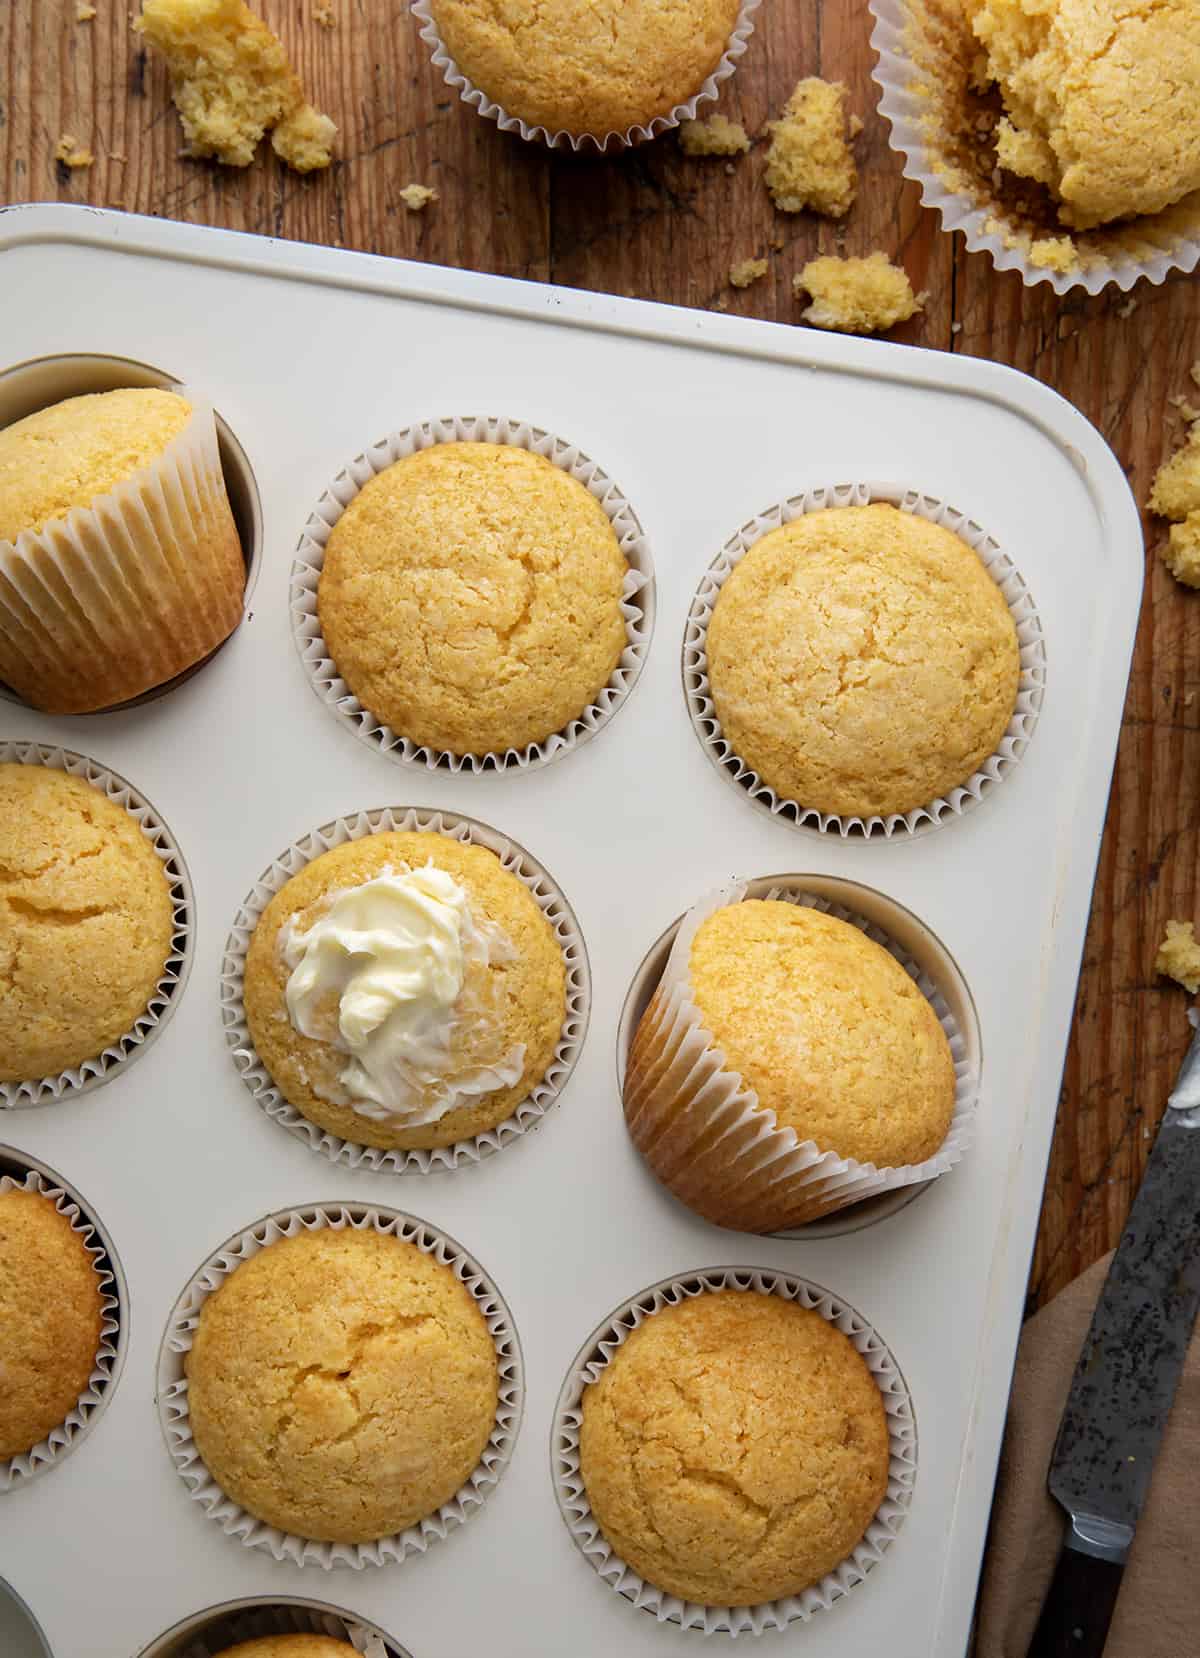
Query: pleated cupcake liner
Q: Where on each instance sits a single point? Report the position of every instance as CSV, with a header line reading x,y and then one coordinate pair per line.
x,y
553,905
571,1492
209,1634
637,593
61,1441
594,143
175,1419
121,596
945,808
700,1128
91,1073
914,49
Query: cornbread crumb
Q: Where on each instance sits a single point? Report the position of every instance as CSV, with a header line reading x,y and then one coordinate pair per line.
x,y
84,13
325,17
72,153
417,196
717,135
1054,253
1181,554
857,296
1176,489
231,81
1129,307
809,162
1178,956
747,271
856,125
290,1646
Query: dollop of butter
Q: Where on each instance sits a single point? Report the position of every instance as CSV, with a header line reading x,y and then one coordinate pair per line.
x,y
380,976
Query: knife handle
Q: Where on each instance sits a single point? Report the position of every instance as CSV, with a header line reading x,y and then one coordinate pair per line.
x,y
1079,1607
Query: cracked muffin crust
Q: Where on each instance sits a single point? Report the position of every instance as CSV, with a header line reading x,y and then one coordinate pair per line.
x,y
470,597
734,1449
862,660
290,1646
342,1385
85,921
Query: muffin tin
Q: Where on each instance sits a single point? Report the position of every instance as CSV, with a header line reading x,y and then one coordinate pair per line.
x,y
311,356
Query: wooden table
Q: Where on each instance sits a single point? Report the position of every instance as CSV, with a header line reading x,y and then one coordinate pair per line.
x,y
660,226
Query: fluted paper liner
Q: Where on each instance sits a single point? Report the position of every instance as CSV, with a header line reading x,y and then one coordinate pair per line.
x,y
90,1073
172,1391
916,64
120,596
1030,644
553,905
600,143
637,594
776,1614
230,1625
16,1471
718,1139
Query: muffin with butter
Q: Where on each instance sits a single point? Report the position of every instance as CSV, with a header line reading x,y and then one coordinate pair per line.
x,y
405,990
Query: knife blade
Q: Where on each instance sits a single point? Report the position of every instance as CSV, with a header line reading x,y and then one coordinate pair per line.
x,y
1125,1382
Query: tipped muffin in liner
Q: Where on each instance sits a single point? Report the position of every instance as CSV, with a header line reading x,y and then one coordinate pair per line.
x,y
572,1495
92,1072
1030,645
550,900
699,1124
607,137
80,1419
213,1633
636,597
108,600
172,1389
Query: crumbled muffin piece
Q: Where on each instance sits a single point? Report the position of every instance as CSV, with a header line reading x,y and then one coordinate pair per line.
x,y
417,196
324,17
716,136
1176,491
72,153
1054,253
809,162
84,13
747,271
1178,955
1181,555
231,81
857,296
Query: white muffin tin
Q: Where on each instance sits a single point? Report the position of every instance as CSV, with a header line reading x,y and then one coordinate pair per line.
x,y
310,355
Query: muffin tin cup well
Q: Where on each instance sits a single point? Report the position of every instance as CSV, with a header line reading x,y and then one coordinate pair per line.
x,y
209,1633
20,1173
550,900
91,1073
637,597
572,1496
917,60
1030,686
595,143
171,1393
719,1139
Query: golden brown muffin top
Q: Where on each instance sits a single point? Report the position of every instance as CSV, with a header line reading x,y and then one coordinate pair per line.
x,y
50,1319
828,1029
342,1385
734,1449
470,597
85,921
290,1646
862,660
67,455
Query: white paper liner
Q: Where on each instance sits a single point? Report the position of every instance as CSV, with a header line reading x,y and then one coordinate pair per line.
x,y
721,1136
553,905
637,594
225,1626
91,1073
49,1452
121,596
601,143
172,1390
1030,685
776,1614
1159,250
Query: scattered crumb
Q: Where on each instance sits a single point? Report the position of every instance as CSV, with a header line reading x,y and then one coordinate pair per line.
x,y
1176,489
747,271
857,296
1127,310
730,169
721,304
718,135
417,196
325,17
1178,956
1181,555
1054,253
855,125
956,327
777,244
231,81
84,13
1182,407
72,153
809,162
1189,699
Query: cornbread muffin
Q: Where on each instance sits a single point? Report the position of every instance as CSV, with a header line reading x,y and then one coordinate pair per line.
x,y
862,660
50,1319
471,597
857,296
510,1005
1178,955
85,922
715,135
734,1448
809,164
578,67
290,1646
341,1385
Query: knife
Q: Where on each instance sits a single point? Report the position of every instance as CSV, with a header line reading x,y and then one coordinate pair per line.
x,y
1125,1382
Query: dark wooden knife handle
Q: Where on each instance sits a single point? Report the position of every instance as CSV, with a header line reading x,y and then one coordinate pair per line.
x,y
1079,1608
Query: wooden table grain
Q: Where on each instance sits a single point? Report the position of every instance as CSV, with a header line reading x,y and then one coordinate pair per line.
x,y
660,226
